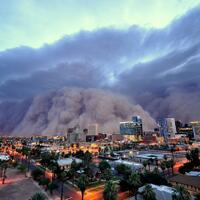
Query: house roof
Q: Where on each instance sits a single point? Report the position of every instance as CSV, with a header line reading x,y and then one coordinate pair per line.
x,y
186,180
68,161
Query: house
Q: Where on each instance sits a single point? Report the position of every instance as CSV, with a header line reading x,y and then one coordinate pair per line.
x,y
65,163
191,183
162,192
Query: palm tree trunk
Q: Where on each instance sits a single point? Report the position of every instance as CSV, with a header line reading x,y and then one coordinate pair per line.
x,y
61,195
82,195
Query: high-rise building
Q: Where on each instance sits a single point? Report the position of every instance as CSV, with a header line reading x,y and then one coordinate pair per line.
x,y
167,127
76,135
196,129
93,129
133,127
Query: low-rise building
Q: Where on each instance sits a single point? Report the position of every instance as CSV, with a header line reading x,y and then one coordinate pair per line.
x,y
65,163
133,165
191,183
162,192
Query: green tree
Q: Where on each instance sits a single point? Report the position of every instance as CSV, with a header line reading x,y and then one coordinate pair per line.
x,y
44,182
26,152
168,165
180,193
37,174
110,191
38,196
123,170
154,178
193,157
148,193
107,175
87,159
145,163
52,186
172,163
75,166
82,184
48,159
134,183
22,168
163,166
104,165
173,149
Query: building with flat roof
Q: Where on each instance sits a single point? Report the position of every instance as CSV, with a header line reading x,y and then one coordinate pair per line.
x,y
191,183
162,192
133,127
65,163
133,165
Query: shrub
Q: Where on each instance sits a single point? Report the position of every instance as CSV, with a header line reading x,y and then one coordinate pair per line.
x,y
37,174
38,196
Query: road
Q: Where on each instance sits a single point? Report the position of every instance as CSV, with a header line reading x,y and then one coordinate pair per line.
x,y
68,191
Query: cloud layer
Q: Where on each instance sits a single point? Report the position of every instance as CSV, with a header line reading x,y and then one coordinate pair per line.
x,y
156,68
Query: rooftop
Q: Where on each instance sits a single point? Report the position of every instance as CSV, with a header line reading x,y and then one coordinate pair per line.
x,y
186,180
68,161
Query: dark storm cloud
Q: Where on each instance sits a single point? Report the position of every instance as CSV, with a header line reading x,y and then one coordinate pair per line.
x,y
82,75
155,67
167,86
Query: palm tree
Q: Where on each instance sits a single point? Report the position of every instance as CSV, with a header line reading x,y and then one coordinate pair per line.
x,y
168,166
62,178
181,193
148,193
26,152
38,196
172,163
134,183
145,163
87,159
82,184
110,191
4,167
173,149
163,166
156,162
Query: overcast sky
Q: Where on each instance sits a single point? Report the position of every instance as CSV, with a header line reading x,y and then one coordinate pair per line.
x,y
147,50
